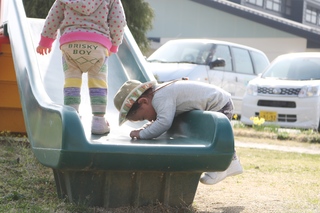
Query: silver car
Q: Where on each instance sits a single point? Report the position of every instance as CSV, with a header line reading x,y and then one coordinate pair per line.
x,y
287,94
228,65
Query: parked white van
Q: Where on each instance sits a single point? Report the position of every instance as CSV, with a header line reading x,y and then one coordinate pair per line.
x,y
287,93
228,65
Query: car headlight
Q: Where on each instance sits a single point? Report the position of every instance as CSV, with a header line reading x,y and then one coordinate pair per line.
x,y
309,91
252,89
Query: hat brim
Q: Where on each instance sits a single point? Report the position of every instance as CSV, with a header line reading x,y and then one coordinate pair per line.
x,y
131,98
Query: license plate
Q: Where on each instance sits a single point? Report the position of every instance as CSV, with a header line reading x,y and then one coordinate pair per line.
x,y
268,116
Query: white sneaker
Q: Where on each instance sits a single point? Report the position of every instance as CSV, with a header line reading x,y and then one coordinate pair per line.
x,y
99,125
210,178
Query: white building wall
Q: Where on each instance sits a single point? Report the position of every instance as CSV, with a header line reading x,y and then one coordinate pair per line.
x,y
176,19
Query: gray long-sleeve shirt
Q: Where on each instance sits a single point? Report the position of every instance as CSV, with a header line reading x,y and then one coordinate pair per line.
x,y
179,97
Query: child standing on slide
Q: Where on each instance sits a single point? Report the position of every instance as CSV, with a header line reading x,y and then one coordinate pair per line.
x,y
90,31
161,103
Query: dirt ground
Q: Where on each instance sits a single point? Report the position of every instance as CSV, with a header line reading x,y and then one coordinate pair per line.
x,y
261,190
231,196
277,185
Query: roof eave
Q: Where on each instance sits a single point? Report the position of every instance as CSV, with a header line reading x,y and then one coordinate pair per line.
x,y
279,23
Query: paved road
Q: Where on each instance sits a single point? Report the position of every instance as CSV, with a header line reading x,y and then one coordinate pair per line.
x,y
278,147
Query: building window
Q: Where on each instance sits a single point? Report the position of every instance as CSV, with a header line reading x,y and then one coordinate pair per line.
x,y
312,15
274,5
279,6
256,2
287,8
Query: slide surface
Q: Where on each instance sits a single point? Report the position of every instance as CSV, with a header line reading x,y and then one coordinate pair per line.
x,y
61,139
128,63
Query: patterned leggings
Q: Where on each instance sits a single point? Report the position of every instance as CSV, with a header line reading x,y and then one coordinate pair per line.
x,y
80,57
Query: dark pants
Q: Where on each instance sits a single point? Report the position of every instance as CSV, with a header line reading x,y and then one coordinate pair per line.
x,y
228,109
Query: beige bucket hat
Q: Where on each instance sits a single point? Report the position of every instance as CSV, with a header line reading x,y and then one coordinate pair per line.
x,y
127,95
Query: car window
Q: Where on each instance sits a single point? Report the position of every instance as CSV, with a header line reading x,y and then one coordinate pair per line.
x,y
278,70
309,69
295,69
242,61
170,52
223,51
260,61
193,52
188,54
196,52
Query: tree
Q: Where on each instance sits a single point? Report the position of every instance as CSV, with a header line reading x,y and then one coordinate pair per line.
x,y
37,8
139,16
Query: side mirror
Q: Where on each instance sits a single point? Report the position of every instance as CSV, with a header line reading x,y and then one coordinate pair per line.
x,y
219,62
